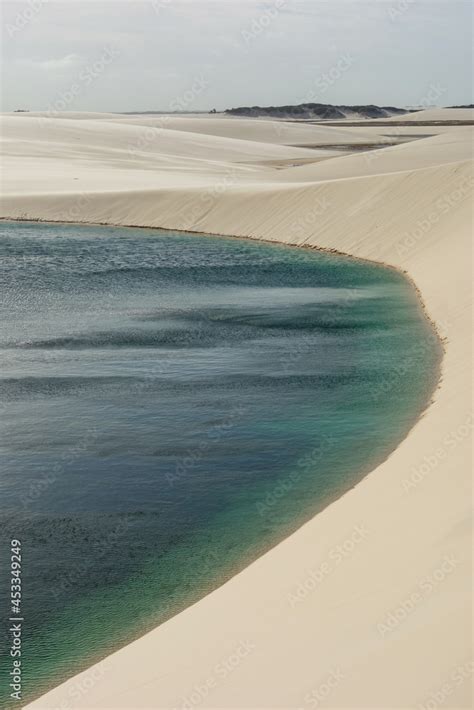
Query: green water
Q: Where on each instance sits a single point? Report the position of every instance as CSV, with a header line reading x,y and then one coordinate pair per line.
x,y
175,405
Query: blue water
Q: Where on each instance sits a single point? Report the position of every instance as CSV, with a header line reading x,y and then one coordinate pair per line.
x,y
174,406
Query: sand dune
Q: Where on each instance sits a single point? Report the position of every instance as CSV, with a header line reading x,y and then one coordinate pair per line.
x,y
276,132
443,149
99,138
439,114
419,116
389,624
90,155
75,115
260,130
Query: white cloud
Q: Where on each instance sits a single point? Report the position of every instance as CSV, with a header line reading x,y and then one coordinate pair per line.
x,y
70,61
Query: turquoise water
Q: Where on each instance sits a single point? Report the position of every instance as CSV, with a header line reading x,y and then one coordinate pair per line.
x,y
174,406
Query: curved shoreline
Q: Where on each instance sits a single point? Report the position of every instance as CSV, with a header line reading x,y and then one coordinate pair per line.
x,y
441,343
425,322
337,625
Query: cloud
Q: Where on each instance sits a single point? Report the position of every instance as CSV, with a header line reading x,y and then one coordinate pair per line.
x,y
59,64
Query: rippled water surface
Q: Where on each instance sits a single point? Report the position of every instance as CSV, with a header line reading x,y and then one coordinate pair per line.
x,y
174,406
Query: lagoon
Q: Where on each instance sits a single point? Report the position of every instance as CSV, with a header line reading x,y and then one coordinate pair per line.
x,y
176,405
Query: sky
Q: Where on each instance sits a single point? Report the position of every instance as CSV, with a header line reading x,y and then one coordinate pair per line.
x,y
195,55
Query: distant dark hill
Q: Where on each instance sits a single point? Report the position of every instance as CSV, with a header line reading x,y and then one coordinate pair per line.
x,y
318,111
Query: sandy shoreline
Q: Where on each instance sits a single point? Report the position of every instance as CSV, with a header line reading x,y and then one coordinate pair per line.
x,y
390,624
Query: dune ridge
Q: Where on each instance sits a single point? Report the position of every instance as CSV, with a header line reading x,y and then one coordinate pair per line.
x,y
390,623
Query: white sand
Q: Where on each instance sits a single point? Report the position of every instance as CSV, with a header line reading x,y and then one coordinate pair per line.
x,y
409,206
419,116
439,114
267,131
